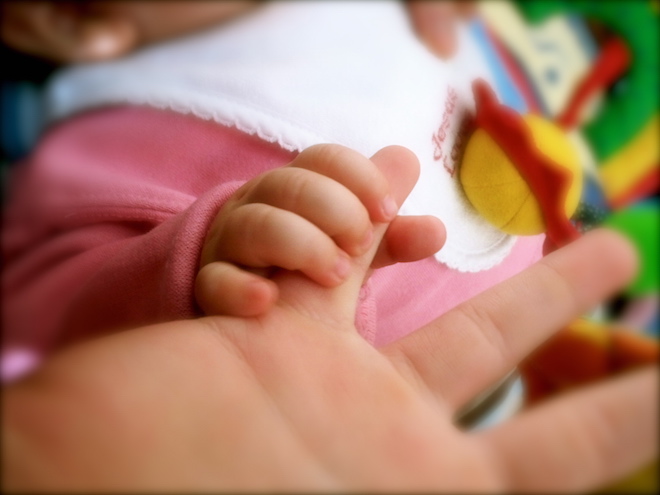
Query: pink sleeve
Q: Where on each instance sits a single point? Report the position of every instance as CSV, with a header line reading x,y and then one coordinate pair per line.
x,y
107,220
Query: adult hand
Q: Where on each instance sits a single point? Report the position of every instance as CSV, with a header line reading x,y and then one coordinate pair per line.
x,y
69,32
296,399
90,31
435,23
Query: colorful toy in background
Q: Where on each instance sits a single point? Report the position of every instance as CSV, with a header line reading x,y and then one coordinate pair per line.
x,y
623,133
640,222
588,73
592,69
585,352
521,172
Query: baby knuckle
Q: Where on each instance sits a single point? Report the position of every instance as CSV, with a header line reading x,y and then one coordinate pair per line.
x,y
249,223
325,157
324,152
295,188
268,186
317,254
262,219
357,224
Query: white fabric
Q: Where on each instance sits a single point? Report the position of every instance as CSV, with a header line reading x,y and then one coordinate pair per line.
x,y
302,73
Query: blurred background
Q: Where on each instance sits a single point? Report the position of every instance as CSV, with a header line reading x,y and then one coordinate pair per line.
x,y
590,66
23,77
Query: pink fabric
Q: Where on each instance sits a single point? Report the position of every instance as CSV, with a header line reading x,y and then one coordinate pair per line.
x,y
107,219
410,295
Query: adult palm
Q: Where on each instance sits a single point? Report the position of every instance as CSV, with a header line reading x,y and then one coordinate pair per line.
x,y
296,399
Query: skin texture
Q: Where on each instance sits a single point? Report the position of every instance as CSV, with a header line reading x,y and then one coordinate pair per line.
x,y
311,215
295,399
251,291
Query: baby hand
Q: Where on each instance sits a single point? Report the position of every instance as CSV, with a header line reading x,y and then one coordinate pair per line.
x,y
311,215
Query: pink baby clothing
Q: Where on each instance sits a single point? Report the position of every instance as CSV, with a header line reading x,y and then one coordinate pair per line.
x,y
108,216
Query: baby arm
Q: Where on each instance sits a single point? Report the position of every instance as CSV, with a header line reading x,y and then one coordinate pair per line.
x,y
311,216
106,221
106,227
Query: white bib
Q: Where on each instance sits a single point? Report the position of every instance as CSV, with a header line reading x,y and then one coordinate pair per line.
x,y
303,73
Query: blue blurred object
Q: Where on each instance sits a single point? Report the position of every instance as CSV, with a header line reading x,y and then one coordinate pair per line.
x,y
22,118
21,103
592,194
504,86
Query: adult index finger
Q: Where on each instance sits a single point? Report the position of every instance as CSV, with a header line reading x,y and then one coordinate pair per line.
x,y
474,345
580,441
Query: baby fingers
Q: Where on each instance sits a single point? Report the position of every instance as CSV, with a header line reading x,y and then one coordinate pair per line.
x,y
225,289
259,235
410,238
325,202
356,172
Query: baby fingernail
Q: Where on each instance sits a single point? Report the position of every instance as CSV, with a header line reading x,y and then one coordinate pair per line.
x,y
389,207
342,266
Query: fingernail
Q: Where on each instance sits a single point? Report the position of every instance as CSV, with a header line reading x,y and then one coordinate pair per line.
x,y
343,266
389,207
